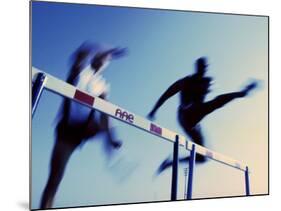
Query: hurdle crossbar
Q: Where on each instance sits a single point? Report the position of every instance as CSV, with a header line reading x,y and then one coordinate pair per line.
x,y
67,90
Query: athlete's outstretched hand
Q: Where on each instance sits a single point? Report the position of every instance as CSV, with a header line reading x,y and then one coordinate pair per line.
x,y
118,52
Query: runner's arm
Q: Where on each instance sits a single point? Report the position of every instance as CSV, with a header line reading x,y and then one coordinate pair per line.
x,y
172,90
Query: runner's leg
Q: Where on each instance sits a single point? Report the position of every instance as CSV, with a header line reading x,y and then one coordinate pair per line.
x,y
222,100
60,156
111,142
197,137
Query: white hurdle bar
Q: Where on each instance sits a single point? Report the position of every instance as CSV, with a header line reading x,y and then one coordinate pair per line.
x,y
43,80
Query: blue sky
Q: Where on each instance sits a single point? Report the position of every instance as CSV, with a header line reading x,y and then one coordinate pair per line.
x,y
163,46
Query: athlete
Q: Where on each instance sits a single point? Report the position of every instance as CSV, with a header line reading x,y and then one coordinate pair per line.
x,y
193,107
78,123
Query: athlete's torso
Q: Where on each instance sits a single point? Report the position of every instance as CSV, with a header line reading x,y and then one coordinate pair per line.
x,y
194,89
93,83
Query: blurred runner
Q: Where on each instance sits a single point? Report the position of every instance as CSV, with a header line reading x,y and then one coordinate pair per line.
x,y
78,123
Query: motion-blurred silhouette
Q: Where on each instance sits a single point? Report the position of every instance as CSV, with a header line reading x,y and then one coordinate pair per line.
x,y
78,123
193,108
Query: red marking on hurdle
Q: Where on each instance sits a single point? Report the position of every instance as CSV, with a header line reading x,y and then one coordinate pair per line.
x,y
84,98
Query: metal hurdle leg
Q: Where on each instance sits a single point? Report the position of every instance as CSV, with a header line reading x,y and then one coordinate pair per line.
x,y
37,89
175,170
191,171
247,182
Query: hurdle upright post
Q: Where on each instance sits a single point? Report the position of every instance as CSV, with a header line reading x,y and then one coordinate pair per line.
x,y
192,158
175,169
247,182
37,89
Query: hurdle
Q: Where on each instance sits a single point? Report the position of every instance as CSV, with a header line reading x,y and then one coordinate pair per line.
x,y
42,80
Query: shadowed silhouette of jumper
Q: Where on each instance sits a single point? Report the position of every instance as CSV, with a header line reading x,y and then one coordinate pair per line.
x,y
193,108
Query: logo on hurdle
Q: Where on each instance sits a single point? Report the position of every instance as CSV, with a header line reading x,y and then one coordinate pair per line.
x,y
124,115
154,128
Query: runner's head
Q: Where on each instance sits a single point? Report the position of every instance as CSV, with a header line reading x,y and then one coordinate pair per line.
x,y
100,61
102,58
201,66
